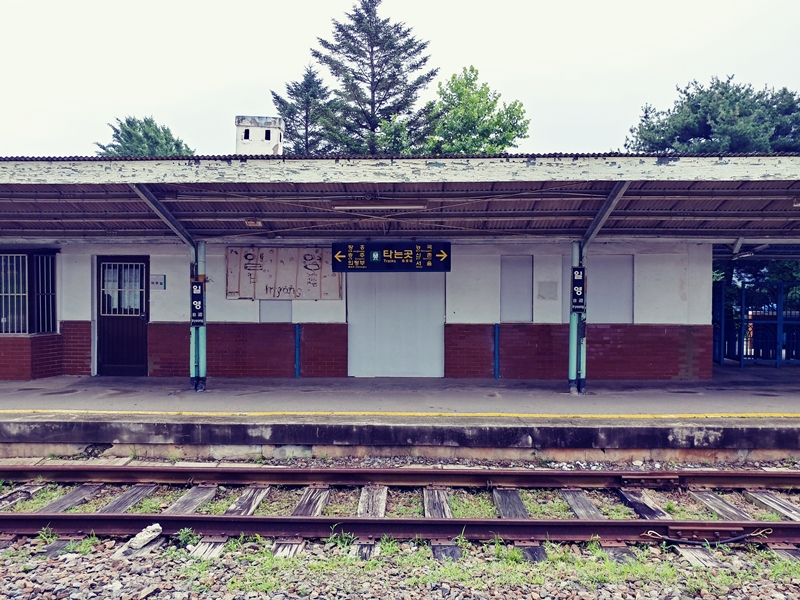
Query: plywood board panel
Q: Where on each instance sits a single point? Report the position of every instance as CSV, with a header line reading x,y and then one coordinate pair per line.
x,y
331,287
309,274
265,278
232,266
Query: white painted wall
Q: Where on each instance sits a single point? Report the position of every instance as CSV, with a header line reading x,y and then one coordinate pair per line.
x,y
548,289
473,287
609,281
74,291
700,283
661,288
669,283
170,305
516,289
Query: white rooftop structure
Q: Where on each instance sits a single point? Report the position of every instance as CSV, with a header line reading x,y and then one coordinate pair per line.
x,y
259,136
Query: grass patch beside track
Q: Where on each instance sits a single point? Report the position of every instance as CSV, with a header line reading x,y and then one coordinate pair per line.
x,y
42,498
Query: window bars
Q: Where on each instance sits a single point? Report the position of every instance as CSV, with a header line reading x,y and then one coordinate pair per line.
x,y
122,289
27,293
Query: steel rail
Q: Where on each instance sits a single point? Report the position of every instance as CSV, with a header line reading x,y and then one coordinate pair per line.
x,y
432,529
404,477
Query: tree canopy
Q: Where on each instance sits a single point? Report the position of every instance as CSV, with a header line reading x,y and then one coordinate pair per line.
x,y
724,117
380,68
468,120
142,137
305,111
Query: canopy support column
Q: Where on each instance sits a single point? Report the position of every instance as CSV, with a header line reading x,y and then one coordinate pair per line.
x,y
197,310
578,291
574,320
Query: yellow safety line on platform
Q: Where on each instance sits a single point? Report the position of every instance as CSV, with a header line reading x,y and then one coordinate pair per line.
x,y
403,414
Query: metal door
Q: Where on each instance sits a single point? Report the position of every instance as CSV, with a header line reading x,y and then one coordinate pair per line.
x,y
395,324
122,315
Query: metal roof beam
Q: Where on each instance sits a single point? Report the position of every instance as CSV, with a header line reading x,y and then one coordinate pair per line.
x,y
157,207
603,214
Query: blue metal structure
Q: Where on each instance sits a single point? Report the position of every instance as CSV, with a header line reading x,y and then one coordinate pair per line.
x,y
757,323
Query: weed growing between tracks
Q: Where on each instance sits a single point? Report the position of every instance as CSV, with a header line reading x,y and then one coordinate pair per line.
x,y
609,505
470,503
280,502
223,498
404,503
546,504
43,497
342,502
161,499
84,546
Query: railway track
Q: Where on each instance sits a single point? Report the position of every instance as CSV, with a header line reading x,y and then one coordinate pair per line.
x,y
770,492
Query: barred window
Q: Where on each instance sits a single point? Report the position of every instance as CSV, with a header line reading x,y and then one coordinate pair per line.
x,y
27,292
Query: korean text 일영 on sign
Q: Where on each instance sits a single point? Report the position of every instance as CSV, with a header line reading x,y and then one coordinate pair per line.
x,y
578,291
349,257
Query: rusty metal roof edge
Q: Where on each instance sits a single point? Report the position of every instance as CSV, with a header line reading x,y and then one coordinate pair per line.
x,y
290,157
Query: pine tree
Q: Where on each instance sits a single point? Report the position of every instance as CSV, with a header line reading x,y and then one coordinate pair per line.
x,y
380,68
724,117
142,137
305,110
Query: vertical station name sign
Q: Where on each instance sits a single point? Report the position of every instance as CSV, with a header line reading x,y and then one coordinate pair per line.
x,y
350,257
198,304
578,303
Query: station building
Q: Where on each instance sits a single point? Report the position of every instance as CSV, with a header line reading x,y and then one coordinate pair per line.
x,y
97,255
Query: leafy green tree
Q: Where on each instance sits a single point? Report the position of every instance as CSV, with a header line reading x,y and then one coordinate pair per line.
x,y
306,110
467,119
142,137
724,117
392,137
380,68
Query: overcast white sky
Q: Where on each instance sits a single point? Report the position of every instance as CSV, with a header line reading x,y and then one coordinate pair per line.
x,y
582,68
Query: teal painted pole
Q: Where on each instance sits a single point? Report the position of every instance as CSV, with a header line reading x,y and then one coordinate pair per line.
x,y
193,355
582,323
573,329
201,331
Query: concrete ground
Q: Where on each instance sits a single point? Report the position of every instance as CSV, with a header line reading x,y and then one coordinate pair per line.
x,y
755,391
742,414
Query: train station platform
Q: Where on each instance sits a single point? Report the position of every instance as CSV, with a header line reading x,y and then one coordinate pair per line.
x,y
739,414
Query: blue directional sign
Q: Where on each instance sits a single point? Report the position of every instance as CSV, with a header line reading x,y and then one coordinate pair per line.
x,y
351,257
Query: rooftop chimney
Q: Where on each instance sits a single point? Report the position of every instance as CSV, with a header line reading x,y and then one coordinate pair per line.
x,y
259,135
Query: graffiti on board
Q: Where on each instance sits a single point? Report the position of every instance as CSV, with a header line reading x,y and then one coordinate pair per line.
x,y
281,274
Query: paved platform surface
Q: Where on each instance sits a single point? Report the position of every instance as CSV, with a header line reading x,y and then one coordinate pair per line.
x,y
757,408
755,391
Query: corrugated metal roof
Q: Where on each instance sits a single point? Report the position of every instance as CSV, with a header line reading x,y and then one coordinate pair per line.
x,y
719,211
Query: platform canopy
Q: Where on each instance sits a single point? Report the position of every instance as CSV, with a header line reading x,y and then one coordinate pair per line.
x,y
746,205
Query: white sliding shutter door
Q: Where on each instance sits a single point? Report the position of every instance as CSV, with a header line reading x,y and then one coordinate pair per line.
x,y
395,324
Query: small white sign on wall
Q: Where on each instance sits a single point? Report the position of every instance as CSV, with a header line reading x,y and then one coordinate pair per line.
x,y
158,282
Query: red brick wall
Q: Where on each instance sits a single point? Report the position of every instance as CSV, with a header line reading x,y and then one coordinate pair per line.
x,y
15,357
250,349
534,351
27,357
168,349
649,351
47,355
323,350
77,339
539,351
468,350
